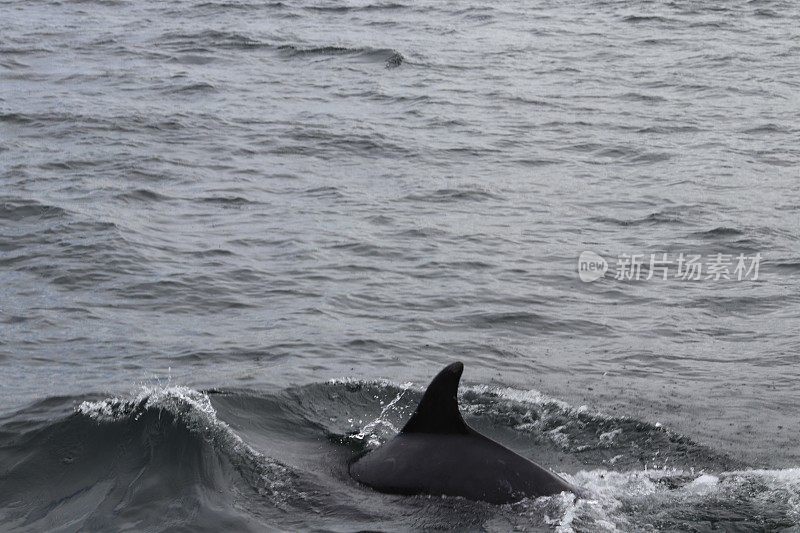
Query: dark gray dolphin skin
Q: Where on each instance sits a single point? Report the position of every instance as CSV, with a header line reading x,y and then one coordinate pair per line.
x,y
438,453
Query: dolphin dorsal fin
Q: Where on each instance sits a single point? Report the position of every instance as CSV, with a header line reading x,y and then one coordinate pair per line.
x,y
438,412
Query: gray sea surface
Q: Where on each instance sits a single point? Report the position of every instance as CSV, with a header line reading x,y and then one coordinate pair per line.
x,y
272,219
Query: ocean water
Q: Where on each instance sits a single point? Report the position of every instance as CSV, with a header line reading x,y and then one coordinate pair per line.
x,y
237,238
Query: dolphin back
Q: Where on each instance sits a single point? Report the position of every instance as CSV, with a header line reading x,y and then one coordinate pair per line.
x,y
438,453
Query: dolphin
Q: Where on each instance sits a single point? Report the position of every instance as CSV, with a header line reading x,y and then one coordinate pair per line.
x,y
437,453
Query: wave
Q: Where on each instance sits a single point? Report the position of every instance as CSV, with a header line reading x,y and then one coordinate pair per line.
x,y
214,39
160,457
653,219
452,195
199,87
391,58
227,6
19,209
648,18
173,457
111,123
143,195
721,231
379,6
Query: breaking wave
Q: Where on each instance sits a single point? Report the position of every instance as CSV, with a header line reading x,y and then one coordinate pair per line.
x,y
172,456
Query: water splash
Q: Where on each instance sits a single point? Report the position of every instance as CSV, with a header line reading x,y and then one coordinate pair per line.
x,y
379,429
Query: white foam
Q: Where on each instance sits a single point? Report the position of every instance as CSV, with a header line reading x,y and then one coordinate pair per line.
x,y
531,397
608,437
610,494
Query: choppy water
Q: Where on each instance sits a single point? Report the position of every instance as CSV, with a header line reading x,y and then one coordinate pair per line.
x,y
255,198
